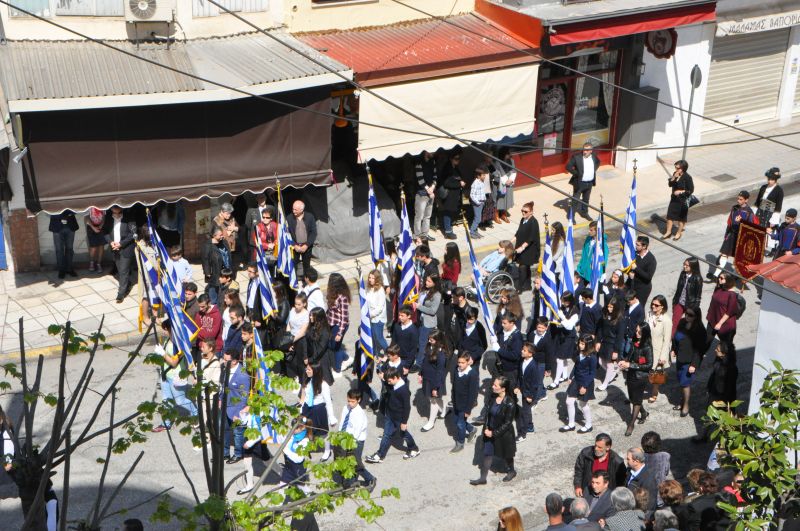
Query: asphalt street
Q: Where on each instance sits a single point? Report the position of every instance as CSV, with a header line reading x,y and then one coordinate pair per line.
x,y
434,487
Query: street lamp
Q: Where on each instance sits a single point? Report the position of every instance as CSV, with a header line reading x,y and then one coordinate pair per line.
x,y
696,77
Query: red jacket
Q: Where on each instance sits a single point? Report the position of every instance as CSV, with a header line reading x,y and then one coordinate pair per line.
x,y
210,323
451,271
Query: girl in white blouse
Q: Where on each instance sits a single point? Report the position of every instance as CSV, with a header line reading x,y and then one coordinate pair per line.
x,y
315,395
376,300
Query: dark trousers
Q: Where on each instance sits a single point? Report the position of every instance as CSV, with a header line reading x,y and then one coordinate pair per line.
x,y
582,191
125,271
724,337
302,258
462,426
525,417
524,277
540,390
63,241
390,427
513,377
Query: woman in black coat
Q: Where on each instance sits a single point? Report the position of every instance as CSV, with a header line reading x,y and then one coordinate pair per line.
x,y
432,375
318,351
450,179
688,292
688,347
681,189
610,340
498,431
637,365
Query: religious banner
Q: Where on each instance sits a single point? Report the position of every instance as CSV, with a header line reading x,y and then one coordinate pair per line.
x,y
749,248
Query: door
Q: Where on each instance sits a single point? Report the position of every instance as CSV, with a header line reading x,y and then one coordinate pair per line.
x,y
553,123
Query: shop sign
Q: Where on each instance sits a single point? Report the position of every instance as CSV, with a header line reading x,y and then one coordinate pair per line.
x,y
757,24
661,43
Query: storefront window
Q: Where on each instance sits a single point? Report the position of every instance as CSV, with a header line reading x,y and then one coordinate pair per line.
x,y
550,117
594,99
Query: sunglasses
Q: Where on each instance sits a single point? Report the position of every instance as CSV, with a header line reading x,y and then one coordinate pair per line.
x,y
655,304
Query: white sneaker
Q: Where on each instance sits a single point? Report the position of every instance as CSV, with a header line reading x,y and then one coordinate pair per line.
x,y
411,455
374,458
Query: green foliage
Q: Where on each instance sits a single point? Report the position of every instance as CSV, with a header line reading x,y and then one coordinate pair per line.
x,y
759,445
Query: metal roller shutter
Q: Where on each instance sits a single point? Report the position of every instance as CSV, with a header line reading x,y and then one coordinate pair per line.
x,y
797,96
745,77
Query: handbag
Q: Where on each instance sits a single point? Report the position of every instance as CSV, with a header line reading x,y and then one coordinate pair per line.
x,y
657,377
442,193
691,201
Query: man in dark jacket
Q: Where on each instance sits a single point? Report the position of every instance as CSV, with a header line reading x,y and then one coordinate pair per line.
x,y
703,513
527,246
450,182
598,497
583,167
641,475
63,226
640,277
120,234
303,228
214,257
598,457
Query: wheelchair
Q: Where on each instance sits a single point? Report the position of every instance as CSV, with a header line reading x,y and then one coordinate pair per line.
x,y
506,277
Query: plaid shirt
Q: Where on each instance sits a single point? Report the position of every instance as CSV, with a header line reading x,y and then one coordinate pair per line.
x,y
339,314
477,192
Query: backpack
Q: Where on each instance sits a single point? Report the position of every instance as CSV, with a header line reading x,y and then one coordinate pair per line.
x,y
741,305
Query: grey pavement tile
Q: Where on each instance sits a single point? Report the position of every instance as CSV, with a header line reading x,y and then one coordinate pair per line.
x,y
13,317
40,310
79,291
90,300
56,296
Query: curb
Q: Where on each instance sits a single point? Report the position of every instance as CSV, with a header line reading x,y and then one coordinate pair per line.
x,y
53,351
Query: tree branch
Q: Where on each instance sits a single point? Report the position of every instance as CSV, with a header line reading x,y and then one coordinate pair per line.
x,y
60,454
180,464
144,502
125,478
95,512
62,524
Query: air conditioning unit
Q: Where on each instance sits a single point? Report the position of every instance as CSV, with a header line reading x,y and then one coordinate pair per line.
x,y
149,10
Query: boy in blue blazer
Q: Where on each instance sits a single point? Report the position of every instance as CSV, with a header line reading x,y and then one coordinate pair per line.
x,y
529,383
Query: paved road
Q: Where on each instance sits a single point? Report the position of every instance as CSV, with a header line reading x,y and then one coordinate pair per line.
x,y
434,486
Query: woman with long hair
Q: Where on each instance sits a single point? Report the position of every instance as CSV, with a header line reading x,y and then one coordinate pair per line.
x,y
681,189
566,337
688,347
230,299
428,305
318,343
432,376
297,326
636,366
95,239
509,519
451,267
610,340
498,431
509,303
338,301
581,385
688,292
557,247
661,338
376,300
315,395
721,382
721,315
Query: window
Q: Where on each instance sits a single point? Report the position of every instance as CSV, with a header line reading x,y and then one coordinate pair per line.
x,y
37,7
83,8
202,8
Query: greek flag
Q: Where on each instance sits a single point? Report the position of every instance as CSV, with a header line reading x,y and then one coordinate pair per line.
x,y
488,320
549,289
267,428
268,304
598,258
150,276
627,238
568,276
163,256
364,330
375,226
285,262
408,288
184,329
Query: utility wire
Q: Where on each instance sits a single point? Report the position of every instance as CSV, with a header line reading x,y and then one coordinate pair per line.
x,y
589,76
445,133
482,151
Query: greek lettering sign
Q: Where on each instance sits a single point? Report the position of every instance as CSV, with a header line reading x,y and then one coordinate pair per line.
x,y
756,24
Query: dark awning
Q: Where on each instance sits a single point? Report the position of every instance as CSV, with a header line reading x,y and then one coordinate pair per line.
x,y
101,157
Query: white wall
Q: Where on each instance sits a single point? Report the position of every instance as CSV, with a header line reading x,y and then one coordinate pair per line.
x,y
778,330
672,77
791,73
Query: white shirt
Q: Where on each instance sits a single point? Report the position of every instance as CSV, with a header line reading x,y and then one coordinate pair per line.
x,y
315,298
226,322
466,372
183,270
400,383
357,423
252,291
507,333
116,232
468,330
632,307
537,338
376,300
323,398
588,169
525,363
297,320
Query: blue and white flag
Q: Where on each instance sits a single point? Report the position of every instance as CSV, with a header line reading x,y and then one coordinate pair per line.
x,y
568,276
364,330
268,430
167,265
268,304
627,238
184,329
549,287
598,258
408,281
375,227
285,263
488,319
150,276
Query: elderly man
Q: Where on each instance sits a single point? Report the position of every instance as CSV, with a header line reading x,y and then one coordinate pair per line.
x,y
640,475
120,234
600,456
579,509
303,228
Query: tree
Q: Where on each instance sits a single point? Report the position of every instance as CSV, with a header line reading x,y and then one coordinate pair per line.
x,y
764,446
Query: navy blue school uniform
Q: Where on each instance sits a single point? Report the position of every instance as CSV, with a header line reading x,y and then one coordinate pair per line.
x,y
498,326
590,316
433,373
583,376
509,354
566,339
474,342
632,319
408,340
465,397
611,337
530,382
398,409
544,354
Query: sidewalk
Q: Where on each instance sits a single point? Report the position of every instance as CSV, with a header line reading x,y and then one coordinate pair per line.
x,y
719,172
